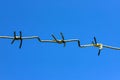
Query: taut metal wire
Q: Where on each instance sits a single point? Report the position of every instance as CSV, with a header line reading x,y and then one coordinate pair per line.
x,y
94,43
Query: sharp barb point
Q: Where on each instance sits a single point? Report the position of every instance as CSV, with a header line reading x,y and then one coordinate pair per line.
x,y
62,36
13,41
95,40
64,44
99,52
14,34
20,34
54,38
20,44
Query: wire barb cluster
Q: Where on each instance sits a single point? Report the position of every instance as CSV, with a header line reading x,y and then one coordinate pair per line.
x,y
61,41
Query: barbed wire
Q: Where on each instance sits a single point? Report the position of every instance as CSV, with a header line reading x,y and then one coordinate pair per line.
x,y
94,43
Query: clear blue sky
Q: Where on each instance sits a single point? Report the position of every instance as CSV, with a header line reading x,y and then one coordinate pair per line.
x,y
80,19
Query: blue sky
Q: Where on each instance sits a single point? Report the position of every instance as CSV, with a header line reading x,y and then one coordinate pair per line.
x,y
80,19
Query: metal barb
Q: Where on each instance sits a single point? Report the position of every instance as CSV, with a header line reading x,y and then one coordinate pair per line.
x,y
20,39
62,36
14,38
63,39
99,52
95,40
54,38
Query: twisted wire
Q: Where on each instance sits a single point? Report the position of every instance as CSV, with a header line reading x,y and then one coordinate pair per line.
x,y
94,43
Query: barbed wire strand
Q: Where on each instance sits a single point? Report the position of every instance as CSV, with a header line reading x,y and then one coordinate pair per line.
x,y
94,43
